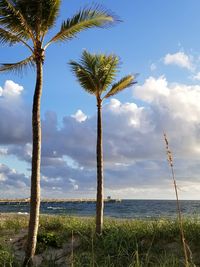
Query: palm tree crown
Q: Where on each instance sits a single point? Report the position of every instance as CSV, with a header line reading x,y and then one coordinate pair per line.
x,y
28,22
96,73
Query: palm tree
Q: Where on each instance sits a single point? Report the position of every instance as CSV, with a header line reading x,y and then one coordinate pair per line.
x,y
95,73
27,23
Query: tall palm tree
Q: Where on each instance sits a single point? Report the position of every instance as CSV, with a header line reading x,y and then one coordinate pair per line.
x,y
27,23
96,73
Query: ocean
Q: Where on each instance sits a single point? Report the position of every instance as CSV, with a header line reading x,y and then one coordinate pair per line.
x,y
127,209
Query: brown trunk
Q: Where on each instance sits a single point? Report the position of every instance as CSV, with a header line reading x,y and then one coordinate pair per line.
x,y
35,176
99,153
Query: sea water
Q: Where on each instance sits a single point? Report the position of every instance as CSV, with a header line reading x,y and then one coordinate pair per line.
x,y
135,209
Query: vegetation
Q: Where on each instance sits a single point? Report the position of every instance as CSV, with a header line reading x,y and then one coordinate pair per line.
x,y
27,23
96,73
132,243
179,214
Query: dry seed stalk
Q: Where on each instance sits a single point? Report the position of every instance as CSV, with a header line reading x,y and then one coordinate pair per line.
x,y
170,160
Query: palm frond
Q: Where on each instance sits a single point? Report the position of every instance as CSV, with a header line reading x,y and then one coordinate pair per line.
x,y
50,13
84,19
108,72
40,15
18,67
84,77
11,39
96,72
124,83
8,37
102,68
89,62
11,18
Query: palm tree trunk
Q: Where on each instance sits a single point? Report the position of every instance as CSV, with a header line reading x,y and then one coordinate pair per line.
x,y
35,176
99,153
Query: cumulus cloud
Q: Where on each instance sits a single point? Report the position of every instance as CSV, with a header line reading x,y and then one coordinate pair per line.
x,y
79,116
12,183
152,89
180,59
22,151
15,115
180,101
176,110
134,150
11,89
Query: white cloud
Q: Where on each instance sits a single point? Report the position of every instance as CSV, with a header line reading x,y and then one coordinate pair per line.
x,y
180,59
152,89
133,144
79,116
181,101
11,89
15,119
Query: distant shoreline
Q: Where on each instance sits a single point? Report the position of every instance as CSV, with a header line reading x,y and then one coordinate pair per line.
x,y
50,200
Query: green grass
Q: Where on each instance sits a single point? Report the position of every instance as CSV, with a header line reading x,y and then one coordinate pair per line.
x,y
124,243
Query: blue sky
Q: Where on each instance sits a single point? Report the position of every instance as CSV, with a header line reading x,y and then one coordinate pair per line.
x,y
160,41
147,33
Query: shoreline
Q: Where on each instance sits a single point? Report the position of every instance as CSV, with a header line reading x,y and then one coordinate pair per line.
x,y
51,200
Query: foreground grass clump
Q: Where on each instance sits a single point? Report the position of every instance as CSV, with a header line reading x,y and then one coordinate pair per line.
x,y
127,243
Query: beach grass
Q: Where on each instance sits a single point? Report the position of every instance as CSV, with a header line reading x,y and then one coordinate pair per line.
x,y
124,243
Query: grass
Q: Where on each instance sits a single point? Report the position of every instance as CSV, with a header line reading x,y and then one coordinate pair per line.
x,y
124,243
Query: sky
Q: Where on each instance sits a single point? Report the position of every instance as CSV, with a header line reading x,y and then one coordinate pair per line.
x,y
161,42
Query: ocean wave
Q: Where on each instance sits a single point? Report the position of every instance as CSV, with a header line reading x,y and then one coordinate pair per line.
x,y
54,208
23,213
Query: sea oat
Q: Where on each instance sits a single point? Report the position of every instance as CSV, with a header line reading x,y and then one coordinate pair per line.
x,y
170,160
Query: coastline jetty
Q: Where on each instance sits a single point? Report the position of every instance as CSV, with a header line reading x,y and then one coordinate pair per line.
x,y
57,200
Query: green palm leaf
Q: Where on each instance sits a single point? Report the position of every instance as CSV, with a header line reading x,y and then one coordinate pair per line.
x,y
84,19
109,71
89,63
13,19
102,68
84,77
125,82
8,37
40,15
11,39
50,13
18,66
96,72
